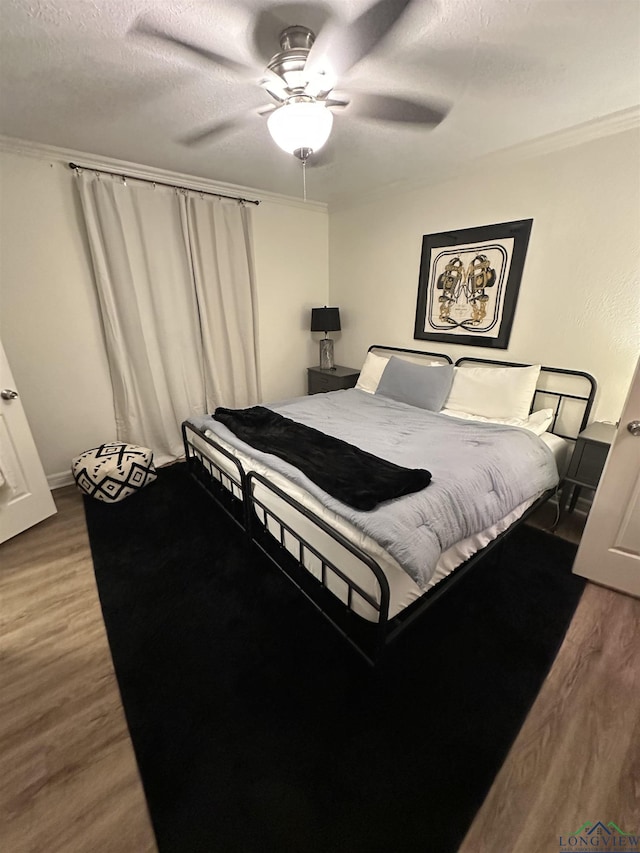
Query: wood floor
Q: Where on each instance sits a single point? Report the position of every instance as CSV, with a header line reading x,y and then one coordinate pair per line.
x,y
577,757
69,781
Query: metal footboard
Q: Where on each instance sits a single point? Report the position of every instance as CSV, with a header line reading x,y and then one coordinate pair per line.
x,y
333,592
222,476
223,479
287,548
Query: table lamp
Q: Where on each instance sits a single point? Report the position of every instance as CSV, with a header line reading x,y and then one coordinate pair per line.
x,y
326,320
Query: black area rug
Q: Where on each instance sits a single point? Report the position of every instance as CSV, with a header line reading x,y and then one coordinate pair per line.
x,y
256,727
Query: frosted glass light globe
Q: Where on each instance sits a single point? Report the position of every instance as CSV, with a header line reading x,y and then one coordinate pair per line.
x,y
299,125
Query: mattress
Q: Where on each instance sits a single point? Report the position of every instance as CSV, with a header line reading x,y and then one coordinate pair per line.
x,y
403,589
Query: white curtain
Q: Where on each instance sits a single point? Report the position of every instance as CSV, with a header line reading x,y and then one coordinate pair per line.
x,y
176,292
219,238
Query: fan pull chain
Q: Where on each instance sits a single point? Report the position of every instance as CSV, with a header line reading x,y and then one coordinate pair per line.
x,y
304,180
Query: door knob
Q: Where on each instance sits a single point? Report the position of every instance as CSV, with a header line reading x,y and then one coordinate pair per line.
x,y
10,394
634,427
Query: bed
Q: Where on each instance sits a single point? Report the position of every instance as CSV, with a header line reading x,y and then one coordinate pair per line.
x,y
367,582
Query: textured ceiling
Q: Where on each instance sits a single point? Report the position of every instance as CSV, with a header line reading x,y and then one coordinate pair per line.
x,y
512,71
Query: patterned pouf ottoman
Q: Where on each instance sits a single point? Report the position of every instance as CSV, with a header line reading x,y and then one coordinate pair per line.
x,y
113,471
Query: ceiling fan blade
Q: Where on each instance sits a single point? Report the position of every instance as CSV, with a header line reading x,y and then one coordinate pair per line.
x,y
392,108
337,105
274,85
148,30
339,47
209,133
220,128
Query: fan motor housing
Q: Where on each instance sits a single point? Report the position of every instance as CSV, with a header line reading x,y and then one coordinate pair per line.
x,y
295,37
295,43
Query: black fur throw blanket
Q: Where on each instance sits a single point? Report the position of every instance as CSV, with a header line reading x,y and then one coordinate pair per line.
x,y
351,475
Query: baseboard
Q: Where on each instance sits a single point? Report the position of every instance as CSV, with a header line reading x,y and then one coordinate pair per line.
x,y
57,481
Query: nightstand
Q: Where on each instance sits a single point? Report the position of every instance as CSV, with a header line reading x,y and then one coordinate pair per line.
x,y
321,380
587,462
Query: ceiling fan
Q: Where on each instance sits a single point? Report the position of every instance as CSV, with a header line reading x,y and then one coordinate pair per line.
x,y
301,79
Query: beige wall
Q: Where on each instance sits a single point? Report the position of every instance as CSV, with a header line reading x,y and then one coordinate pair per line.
x,y
579,301
49,321
292,252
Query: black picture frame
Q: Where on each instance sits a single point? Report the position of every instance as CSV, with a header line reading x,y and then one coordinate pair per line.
x,y
469,282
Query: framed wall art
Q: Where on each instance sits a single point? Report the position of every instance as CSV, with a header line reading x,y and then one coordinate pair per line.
x,y
469,282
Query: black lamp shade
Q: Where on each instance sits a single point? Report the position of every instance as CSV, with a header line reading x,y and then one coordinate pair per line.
x,y
325,319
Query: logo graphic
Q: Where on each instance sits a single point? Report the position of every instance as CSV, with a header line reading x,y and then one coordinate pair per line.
x,y
600,836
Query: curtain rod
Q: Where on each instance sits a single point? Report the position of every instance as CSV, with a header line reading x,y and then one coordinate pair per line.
x,y
162,183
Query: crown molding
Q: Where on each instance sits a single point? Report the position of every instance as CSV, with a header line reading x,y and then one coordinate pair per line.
x,y
580,134
589,131
27,148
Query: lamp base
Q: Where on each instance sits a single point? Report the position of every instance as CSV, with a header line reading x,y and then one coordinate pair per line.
x,y
326,354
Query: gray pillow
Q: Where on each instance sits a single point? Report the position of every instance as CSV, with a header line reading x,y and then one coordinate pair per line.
x,y
426,387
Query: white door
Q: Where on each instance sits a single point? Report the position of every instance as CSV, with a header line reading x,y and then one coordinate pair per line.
x,y
609,551
25,498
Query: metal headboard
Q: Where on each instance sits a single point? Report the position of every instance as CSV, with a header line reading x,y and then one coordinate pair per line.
x,y
558,389
412,352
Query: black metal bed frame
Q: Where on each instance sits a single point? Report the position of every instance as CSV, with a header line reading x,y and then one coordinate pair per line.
x,y
213,477
287,548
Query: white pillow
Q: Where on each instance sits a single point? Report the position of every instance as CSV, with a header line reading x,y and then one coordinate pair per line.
x,y
540,421
372,370
493,392
537,423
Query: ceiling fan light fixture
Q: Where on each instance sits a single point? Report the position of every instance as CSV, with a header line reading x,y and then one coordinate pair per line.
x,y
300,124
